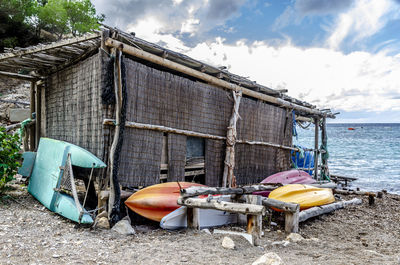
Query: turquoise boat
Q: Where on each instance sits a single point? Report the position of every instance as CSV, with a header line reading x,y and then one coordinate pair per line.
x,y
52,168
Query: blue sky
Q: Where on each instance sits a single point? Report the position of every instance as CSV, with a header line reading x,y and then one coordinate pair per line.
x,y
338,54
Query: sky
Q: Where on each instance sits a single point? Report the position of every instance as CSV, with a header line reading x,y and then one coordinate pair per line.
x,y
337,54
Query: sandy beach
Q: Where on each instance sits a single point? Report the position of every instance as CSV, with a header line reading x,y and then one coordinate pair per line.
x,y
31,234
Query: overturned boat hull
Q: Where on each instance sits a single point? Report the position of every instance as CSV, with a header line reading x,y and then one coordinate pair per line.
x,y
305,195
156,201
48,169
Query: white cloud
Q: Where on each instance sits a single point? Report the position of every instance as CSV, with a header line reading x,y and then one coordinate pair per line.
x,y
363,20
352,82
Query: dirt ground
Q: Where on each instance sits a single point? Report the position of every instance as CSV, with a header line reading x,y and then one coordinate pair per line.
x,y
31,234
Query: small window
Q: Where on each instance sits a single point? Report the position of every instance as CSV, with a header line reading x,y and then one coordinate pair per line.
x,y
194,147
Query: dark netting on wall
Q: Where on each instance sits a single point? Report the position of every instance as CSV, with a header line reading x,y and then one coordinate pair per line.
x,y
176,157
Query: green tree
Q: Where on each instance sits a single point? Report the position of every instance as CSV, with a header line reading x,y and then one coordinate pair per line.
x,y
22,21
69,17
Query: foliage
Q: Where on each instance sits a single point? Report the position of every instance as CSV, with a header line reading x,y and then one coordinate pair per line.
x,y
22,21
9,157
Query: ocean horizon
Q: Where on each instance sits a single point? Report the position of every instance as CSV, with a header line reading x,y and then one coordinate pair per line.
x,y
369,152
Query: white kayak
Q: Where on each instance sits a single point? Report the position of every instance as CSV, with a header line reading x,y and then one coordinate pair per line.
x,y
207,218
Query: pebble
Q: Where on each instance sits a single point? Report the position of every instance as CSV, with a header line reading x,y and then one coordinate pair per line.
x,y
294,237
228,243
123,227
269,258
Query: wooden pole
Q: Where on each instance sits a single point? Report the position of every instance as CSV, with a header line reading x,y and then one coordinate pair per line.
x,y
112,122
292,221
316,153
208,78
227,177
38,111
315,211
192,215
33,108
254,222
206,203
197,191
118,105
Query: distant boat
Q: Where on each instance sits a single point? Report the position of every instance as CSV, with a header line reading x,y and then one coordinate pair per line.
x,y
156,201
305,195
351,129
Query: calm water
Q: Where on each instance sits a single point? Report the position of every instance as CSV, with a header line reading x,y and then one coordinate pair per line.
x,y
370,153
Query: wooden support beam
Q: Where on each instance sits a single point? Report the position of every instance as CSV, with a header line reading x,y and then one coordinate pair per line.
x,y
208,78
292,221
284,206
112,122
229,163
316,211
33,109
316,153
353,192
197,191
18,76
192,215
211,203
38,111
16,54
254,222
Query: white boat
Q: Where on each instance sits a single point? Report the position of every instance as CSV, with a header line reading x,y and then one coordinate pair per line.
x,y
207,218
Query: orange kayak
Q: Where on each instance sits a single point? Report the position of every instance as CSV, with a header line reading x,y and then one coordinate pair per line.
x,y
305,195
156,201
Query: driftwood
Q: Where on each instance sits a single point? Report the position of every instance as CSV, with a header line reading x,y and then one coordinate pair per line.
x,y
315,211
254,222
196,191
353,192
284,206
229,162
292,221
33,109
231,207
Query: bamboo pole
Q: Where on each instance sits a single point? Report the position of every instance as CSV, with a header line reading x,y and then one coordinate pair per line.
x,y
242,208
38,111
229,163
315,211
208,78
18,76
316,153
118,106
112,122
197,191
33,108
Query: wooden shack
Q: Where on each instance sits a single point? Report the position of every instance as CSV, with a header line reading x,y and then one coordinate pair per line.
x,y
155,115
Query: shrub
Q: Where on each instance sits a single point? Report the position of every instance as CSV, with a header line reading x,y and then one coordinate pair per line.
x,y
9,157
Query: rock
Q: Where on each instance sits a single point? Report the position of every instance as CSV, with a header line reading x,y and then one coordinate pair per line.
x,y
228,243
269,258
283,243
102,222
123,227
207,231
294,237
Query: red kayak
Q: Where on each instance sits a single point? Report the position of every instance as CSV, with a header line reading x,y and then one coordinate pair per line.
x,y
156,201
293,176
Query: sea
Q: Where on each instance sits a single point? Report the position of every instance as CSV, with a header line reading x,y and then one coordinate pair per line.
x,y
370,153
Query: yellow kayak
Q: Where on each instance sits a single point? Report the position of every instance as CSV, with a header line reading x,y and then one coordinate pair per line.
x,y
305,195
